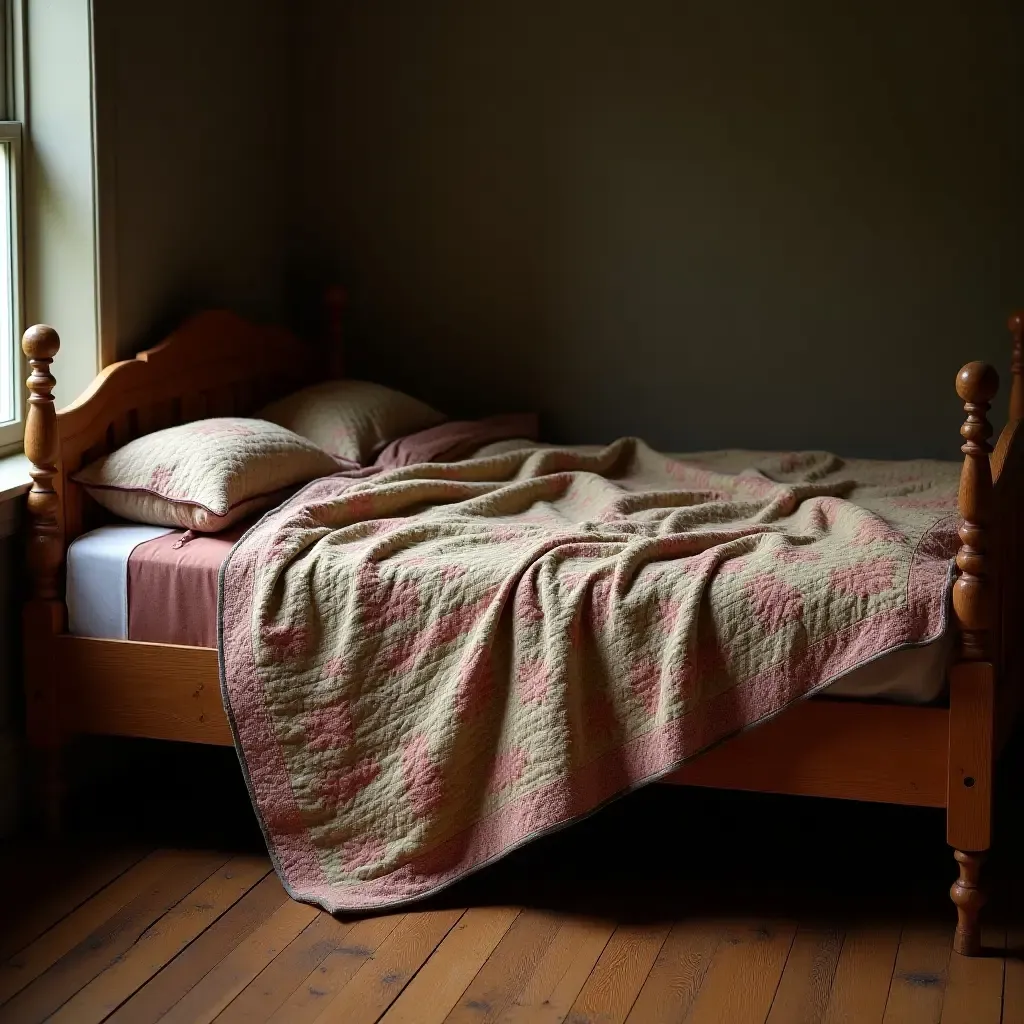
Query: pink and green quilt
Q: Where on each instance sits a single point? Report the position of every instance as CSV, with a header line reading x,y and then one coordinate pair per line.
x,y
429,666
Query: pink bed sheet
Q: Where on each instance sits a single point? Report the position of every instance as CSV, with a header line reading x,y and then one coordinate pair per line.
x,y
172,591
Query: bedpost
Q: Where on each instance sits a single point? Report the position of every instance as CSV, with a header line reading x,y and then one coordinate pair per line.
x,y
42,446
335,301
972,676
44,611
1017,368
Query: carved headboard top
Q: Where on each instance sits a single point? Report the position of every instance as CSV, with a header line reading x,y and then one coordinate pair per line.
x,y
215,364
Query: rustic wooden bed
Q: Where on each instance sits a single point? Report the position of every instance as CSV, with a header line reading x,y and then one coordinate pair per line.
x,y
219,364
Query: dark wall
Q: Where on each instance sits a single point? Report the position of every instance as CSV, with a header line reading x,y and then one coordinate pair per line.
x,y
709,223
199,146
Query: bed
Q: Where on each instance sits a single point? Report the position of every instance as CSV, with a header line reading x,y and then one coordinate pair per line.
x,y
928,752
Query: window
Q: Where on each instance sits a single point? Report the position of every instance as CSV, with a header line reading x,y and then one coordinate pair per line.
x,y
12,371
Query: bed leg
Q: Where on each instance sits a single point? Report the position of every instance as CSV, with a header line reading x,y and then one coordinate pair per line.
x,y
970,896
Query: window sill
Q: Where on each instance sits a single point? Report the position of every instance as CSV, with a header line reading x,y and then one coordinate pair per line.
x,y
14,478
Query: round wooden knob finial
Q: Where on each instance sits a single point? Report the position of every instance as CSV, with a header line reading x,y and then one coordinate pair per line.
x,y
977,383
40,342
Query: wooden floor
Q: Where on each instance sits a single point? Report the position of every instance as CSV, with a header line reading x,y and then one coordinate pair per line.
x,y
787,911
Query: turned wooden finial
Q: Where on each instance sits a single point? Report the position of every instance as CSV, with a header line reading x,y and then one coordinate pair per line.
x,y
335,301
42,446
1017,367
973,602
969,897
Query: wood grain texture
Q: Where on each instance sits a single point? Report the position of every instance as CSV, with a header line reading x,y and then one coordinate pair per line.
x,y
156,691
971,755
67,933
193,936
42,448
440,983
162,941
973,592
215,352
560,974
849,750
114,937
919,975
806,984
503,977
863,975
216,990
620,973
740,984
49,906
671,988
45,539
972,702
190,966
974,985
320,987
379,982
286,972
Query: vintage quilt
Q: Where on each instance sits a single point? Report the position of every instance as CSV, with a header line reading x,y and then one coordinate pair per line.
x,y
427,667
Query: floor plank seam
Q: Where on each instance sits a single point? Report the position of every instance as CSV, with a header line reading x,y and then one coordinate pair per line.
x,y
892,973
124,954
53,924
654,961
195,938
423,964
270,963
785,961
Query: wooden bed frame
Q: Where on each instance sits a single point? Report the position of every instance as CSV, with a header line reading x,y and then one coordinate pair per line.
x,y
219,364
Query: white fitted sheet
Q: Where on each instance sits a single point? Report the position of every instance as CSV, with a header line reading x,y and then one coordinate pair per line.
x,y
97,589
97,579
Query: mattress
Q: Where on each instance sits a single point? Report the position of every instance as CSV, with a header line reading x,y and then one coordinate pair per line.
x,y
130,582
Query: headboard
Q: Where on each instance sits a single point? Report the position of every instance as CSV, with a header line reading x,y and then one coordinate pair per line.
x,y
215,364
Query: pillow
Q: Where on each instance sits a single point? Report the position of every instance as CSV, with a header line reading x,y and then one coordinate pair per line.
x,y
205,475
352,419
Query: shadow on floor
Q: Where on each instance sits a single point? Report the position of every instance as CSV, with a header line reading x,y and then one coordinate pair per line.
x,y
663,852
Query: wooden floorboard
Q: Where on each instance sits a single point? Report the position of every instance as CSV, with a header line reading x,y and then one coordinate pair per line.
x,y
43,892
744,975
918,985
500,980
860,985
807,978
442,980
187,969
186,936
101,948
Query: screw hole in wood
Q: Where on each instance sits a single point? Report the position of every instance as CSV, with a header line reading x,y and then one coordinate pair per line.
x,y
969,781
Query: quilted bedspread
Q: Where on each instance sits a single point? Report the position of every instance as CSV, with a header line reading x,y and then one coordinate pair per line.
x,y
428,667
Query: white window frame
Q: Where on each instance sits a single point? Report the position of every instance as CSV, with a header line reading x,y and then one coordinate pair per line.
x,y
11,431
